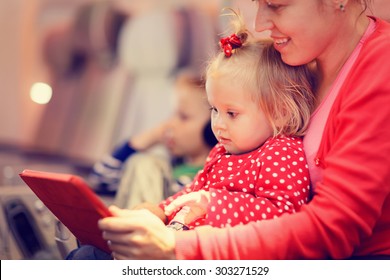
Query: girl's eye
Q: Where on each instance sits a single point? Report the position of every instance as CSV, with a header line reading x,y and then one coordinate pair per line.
x,y
213,109
232,114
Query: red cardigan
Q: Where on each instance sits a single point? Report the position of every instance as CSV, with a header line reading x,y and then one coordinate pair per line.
x,y
350,212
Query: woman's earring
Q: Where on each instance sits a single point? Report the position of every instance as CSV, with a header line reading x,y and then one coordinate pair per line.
x,y
342,7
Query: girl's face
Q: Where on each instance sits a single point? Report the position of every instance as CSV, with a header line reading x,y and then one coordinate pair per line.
x,y
302,30
237,121
184,134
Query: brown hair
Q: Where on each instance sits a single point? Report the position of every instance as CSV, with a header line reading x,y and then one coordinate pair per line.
x,y
283,92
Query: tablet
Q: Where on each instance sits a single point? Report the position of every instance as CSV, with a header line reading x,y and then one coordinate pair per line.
x,y
72,201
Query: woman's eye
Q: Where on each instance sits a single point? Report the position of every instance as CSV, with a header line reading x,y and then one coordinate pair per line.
x,y
272,6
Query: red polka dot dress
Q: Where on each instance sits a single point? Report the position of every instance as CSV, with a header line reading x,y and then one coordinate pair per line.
x,y
262,184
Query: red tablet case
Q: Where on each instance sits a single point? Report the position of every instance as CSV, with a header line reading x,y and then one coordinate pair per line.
x,y
72,201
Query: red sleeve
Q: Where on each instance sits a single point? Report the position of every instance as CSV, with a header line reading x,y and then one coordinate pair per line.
x,y
351,203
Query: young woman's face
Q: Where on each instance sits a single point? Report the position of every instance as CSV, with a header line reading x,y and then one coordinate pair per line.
x,y
184,135
302,30
237,121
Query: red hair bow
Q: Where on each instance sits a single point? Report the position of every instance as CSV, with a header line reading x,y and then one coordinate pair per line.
x,y
230,43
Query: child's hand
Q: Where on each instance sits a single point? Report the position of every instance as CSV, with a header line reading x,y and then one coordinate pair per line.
x,y
195,200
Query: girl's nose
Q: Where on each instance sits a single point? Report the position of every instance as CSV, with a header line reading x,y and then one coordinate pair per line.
x,y
218,123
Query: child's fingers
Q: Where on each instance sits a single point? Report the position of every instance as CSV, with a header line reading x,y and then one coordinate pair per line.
x,y
179,202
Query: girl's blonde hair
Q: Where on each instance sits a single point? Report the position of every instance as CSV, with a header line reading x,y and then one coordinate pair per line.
x,y
283,92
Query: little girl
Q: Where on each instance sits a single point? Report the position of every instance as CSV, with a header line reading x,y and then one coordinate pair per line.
x,y
260,109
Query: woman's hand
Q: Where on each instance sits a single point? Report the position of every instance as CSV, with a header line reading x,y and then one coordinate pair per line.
x,y
137,234
155,209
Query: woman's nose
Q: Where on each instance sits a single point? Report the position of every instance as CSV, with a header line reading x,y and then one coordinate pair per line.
x,y
263,20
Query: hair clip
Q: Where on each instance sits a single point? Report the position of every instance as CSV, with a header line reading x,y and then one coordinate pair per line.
x,y
228,44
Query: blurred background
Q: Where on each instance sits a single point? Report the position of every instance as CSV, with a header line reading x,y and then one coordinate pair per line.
x,y
77,77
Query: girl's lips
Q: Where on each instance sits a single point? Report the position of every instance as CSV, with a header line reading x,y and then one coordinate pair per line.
x,y
223,140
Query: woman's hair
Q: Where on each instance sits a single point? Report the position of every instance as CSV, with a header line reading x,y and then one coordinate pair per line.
x,y
283,92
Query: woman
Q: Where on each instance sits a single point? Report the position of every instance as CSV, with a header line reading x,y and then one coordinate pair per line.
x,y
347,147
